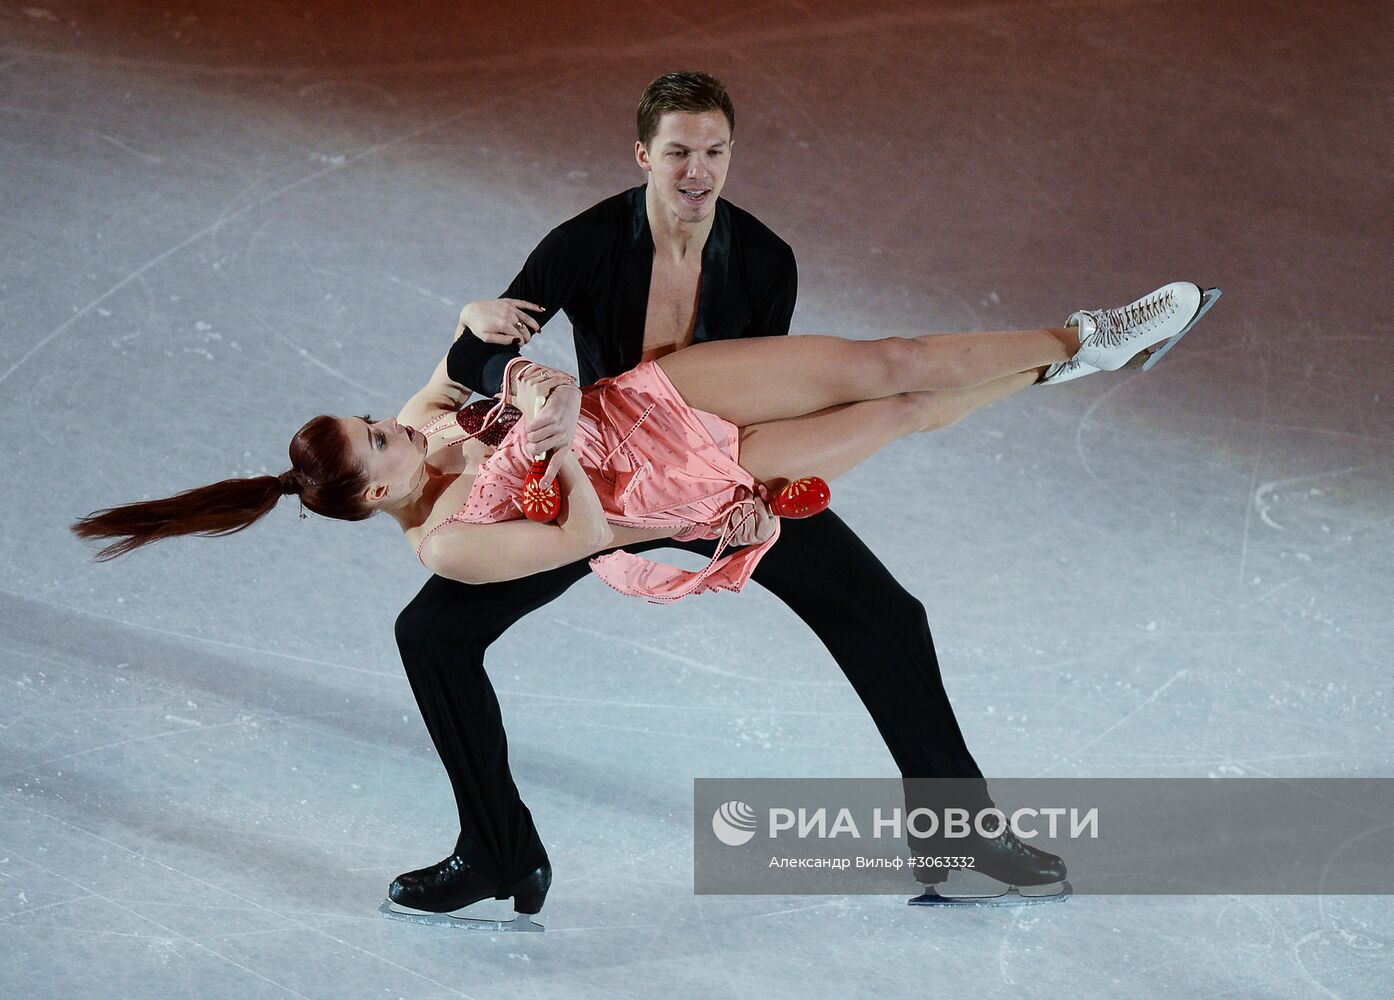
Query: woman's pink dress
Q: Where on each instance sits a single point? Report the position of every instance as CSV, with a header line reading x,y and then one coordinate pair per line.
x,y
655,462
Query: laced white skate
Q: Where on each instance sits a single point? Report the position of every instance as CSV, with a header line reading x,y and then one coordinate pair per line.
x,y
1109,338
1064,371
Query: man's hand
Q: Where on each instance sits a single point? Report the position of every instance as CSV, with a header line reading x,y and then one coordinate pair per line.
x,y
499,321
754,521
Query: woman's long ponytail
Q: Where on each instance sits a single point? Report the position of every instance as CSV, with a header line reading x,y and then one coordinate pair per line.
x,y
323,474
220,509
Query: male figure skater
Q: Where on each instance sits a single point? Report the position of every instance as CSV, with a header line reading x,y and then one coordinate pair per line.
x,y
640,275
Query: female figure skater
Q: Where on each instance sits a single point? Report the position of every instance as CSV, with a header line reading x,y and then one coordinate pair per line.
x,y
677,447
688,445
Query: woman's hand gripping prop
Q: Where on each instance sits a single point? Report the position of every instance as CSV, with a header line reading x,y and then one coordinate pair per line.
x,y
541,500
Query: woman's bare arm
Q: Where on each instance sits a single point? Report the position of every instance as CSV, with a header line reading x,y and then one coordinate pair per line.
x,y
582,515
510,550
439,393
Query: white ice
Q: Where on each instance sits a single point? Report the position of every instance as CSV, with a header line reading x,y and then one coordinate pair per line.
x,y
217,221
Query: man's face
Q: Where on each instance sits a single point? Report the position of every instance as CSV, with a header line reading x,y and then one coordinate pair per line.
x,y
687,160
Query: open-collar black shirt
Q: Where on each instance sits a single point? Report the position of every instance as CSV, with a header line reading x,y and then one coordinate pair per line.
x,y
597,267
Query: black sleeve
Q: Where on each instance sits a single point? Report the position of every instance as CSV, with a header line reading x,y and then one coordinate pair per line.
x,y
773,308
551,277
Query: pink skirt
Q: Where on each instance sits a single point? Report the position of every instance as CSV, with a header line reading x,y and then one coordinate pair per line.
x,y
655,462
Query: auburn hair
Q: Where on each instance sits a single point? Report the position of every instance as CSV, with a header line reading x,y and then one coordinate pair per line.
x,y
689,92
323,473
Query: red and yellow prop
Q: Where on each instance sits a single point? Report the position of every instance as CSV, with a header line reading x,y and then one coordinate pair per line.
x,y
802,498
540,505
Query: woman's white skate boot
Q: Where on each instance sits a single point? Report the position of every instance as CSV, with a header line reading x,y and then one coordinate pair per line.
x,y
1110,338
1064,371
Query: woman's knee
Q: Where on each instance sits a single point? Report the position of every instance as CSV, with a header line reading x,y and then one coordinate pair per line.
x,y
933,411
886,366
911,364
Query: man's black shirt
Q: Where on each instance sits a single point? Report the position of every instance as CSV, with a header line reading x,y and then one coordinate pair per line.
x,y
597,267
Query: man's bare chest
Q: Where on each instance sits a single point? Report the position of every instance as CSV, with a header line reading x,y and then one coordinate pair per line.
x,y
672,309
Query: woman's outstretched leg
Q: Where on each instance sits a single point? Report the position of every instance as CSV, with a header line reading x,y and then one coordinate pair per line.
x,y
760,379
834,440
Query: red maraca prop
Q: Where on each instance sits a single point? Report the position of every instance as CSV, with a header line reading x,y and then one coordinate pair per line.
x,y
803,497
540,505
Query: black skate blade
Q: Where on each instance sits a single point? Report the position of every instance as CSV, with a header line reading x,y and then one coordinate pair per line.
x,y
521,922
1207,299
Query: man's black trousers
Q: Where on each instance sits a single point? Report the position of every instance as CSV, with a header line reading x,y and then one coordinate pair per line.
x,y
819,568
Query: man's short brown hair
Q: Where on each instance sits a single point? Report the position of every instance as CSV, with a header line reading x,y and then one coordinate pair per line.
x,y
689,92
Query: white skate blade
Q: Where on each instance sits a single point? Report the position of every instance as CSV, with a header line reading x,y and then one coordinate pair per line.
x,y
1207,299
965,888
521,922
1051,890
1012,897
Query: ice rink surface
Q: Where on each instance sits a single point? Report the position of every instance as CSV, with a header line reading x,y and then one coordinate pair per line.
x,y
219,220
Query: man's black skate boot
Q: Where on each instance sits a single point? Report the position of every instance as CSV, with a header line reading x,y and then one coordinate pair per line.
x,y
1014,873
454,883
1008,860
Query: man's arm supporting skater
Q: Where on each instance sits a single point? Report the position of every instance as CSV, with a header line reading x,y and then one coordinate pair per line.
x,y
491,330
